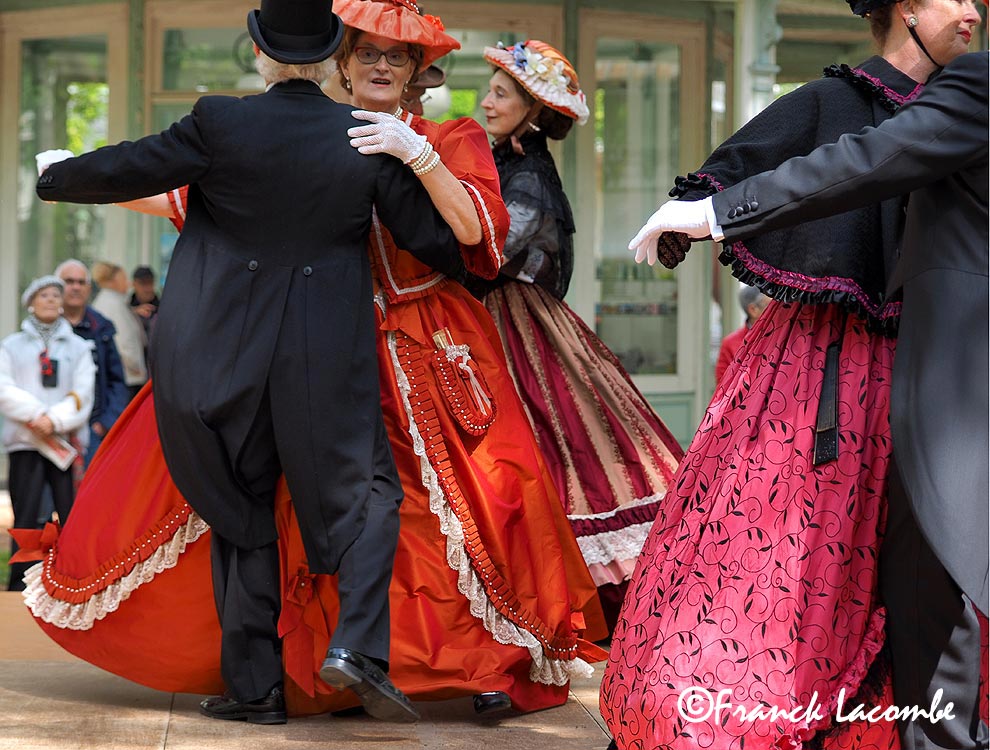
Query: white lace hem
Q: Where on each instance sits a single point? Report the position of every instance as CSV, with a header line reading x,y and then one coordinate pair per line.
x,y
614,546
84,615
544,670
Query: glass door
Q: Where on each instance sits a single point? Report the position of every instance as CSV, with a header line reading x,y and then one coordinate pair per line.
x,y
63,80
642,74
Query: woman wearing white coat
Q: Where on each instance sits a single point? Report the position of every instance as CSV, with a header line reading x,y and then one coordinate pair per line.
x,y
46,389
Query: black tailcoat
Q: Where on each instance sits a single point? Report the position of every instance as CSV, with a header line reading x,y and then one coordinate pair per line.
x,y
268,303
936,148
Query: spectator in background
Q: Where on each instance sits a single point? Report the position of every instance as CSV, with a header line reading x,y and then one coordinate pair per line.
x,y
111,301
46,389
753,303
110,396
144,299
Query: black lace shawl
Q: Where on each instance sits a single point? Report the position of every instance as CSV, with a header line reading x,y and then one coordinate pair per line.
x,y
546,193
844,259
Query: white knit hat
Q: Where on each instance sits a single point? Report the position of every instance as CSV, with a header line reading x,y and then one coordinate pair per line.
x,y
38,284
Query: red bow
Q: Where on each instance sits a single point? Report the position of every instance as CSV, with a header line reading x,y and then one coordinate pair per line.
x,y
33,544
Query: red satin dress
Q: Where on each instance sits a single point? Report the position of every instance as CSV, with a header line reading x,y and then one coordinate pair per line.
x,y
489,590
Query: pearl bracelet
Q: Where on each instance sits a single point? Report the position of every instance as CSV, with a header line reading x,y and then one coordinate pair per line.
x,y
432,164
423,157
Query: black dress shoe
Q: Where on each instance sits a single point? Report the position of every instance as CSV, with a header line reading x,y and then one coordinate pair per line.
x,y
267,710
492,701
344,668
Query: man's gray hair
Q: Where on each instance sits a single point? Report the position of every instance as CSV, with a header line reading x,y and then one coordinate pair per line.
x,y
72,262
749,295
275,72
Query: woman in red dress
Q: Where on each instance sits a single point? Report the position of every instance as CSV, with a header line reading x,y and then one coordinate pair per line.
x,y
489,594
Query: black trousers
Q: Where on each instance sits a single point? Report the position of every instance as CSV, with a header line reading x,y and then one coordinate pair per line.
x,y
933,633
30,473
246,581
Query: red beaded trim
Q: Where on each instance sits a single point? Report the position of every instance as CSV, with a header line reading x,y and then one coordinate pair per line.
x,y
78,590
409,354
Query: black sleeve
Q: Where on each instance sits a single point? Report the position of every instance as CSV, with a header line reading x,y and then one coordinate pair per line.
x,y
135,169
406,209
936,135
786,128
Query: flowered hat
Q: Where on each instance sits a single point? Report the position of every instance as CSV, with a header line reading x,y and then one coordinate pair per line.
x,y
401,20
545,73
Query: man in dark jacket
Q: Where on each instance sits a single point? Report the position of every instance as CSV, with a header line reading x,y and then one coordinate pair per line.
x,y
934,564
264,357
111,394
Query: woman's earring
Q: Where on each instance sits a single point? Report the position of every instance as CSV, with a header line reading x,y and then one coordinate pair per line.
x,y
347,84
912,22
405,86
61,310
31,310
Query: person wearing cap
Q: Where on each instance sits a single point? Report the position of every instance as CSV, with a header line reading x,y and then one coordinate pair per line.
x,y
144,297
264,359
610,455
798,440
46,393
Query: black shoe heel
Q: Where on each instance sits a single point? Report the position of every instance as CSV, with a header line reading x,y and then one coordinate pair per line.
x,y
490,702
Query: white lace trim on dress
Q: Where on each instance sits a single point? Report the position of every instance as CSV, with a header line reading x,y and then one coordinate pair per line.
x,y
543,669
610,546
84,615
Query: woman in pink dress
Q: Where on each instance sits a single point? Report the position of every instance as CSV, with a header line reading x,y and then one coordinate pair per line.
x,y
758,585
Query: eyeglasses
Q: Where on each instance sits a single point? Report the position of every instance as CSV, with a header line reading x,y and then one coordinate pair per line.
x,y
396,57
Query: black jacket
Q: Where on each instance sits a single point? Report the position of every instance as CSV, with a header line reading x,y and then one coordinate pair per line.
x,y
936,148
842,259
268,302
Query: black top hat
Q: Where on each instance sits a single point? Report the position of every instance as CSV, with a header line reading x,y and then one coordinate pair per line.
x,y
863,7
296,32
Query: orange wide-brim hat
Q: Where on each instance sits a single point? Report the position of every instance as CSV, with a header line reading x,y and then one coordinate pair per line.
x,y
400,20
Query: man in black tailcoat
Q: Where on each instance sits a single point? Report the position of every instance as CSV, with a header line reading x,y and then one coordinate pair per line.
x,y
934,562
264,357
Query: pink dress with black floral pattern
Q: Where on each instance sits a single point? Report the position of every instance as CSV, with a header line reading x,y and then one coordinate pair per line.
x,y
759,578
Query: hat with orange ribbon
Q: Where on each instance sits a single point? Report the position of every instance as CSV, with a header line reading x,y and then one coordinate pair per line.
x,y
401,20
545,73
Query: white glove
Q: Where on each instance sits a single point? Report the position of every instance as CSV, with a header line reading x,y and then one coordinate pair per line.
x,y
46,158
386,135
685,217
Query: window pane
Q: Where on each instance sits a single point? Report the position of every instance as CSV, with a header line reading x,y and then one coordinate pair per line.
x,y
163,232
205,60
64,104
636,144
